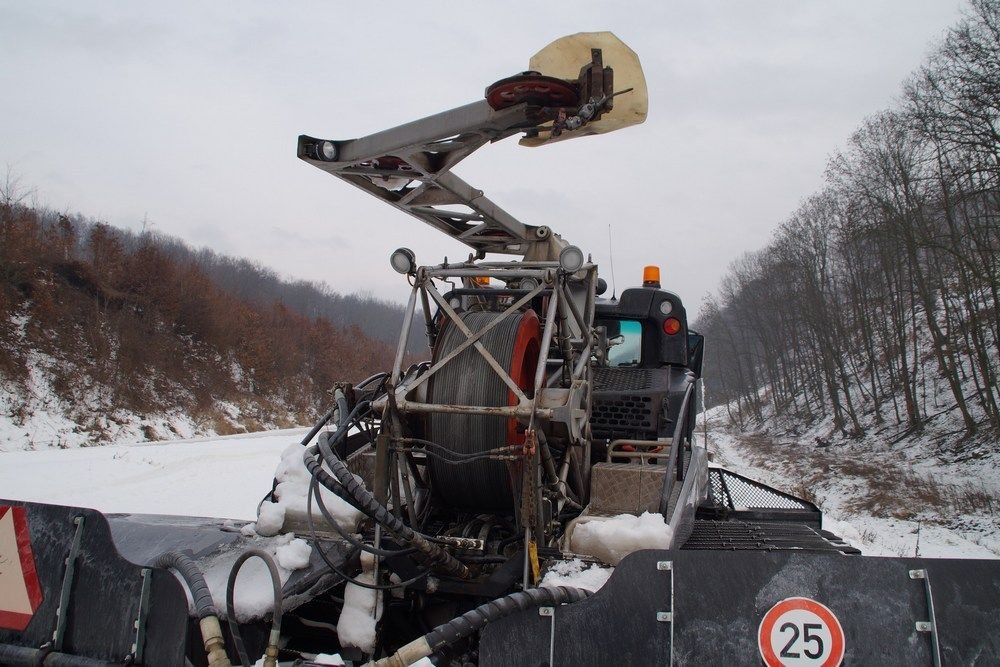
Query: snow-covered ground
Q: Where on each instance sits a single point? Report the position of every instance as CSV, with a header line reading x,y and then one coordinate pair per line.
x,y
887,501
216,477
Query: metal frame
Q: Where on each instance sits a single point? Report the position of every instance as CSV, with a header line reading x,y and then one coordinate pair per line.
x,y
558,408
423,186
566,322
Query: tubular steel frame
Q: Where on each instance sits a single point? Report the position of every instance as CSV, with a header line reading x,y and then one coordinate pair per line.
x,y
565,322
562,401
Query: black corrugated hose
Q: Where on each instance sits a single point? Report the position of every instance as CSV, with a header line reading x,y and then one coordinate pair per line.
x,y
195,580
344,534
340,407
208,617
473,621
362,499
333,566
315,468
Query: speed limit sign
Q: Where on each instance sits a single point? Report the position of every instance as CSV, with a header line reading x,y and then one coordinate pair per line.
x,y
799,632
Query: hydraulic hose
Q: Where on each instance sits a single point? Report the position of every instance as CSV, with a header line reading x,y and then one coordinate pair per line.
x,y
367,503
315,468
271,652
311,456
473,621
319,424
345,535
341,406
345,485
342,574
185,566
211,631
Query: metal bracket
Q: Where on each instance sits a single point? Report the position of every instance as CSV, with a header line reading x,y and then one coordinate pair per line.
x,y
62,612
551,613
668,616
140,622
929,626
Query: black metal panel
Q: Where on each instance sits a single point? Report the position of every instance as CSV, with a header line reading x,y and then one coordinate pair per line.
x,y
141,538
615,626
632,415
720,598
105,594
626,379
638,403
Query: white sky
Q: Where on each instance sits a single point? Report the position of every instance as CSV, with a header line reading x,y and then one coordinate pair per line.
x,y
186,114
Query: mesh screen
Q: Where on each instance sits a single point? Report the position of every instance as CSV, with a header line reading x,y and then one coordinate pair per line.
x,y
622,379
740,493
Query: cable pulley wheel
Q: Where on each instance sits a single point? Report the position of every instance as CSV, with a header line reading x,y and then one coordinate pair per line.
x,y
533,88
467,380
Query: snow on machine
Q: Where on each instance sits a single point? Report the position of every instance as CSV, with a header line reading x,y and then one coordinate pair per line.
x,y
535,493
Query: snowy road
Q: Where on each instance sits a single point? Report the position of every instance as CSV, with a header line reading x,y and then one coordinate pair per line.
x,y
217,477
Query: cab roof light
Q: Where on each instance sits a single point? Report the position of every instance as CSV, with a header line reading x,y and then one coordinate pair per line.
x,y
651,276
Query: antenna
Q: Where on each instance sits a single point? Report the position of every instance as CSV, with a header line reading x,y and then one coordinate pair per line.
x,y
614,290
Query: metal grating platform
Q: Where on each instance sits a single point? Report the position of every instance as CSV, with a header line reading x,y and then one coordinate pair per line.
x,y
763,536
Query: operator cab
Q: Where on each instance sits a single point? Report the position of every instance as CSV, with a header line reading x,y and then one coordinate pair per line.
x,y
647,357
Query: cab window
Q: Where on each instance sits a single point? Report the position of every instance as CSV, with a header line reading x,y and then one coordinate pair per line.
x,y
624,342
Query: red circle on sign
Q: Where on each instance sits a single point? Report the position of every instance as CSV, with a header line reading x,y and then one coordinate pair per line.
x,y
832,625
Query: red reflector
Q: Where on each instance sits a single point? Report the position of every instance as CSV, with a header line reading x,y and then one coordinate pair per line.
x,y
671,325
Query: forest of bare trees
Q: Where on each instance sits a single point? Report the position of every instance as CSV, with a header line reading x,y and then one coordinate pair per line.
x,y
876,303
139,322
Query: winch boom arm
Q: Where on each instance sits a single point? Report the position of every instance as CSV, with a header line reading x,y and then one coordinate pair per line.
x,y
568,92
409,167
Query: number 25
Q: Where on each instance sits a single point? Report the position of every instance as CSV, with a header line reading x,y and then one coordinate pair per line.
x,y
808,637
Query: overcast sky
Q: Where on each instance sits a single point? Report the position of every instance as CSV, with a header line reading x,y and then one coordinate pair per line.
x,y
185,114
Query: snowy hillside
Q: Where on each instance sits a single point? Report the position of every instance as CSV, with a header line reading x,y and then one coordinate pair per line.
x,y
34,416
887,498
107,336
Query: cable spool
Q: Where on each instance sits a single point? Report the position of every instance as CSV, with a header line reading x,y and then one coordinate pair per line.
x,y
468,380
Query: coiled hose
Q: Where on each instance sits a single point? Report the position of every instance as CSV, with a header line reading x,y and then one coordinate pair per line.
x,y
271,652
473,621
211,631
354,492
